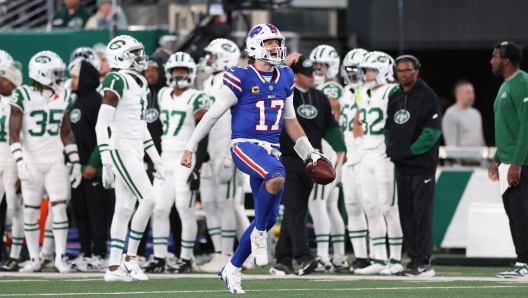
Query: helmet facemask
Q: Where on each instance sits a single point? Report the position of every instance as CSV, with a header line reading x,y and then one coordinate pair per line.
x,y
321,73
273,55
181,80
370,74
137,58
353,75
209,63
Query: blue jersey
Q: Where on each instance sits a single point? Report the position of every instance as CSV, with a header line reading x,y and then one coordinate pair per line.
x,y
258,112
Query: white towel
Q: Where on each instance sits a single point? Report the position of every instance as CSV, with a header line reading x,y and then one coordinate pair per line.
x,y
503,177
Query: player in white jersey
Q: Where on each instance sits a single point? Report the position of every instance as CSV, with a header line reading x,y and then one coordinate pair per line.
x,y
217,185
10,78
181,107
123,112
376,170
39,116
357,223
323,207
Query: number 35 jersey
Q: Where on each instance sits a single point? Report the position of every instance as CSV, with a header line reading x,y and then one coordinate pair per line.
x,y
372,106
177,116
41,122
258,113
129,117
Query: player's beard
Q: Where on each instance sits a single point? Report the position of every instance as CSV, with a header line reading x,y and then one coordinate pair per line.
x,y
499,70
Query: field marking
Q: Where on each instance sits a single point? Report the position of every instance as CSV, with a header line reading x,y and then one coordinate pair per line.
x,y
40,280
348,277
249,291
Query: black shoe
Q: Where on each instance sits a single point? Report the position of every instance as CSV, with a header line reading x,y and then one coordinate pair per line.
x,y
282,270
424,270
359,264
308,267
155,266
10,265
181,266
342,268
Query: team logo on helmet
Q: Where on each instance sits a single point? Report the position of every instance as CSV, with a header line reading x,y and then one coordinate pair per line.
x,y
254,31
43,59
117,44
151,115
402,116
75,115
307,111
383,59
228,47
307,63
333,54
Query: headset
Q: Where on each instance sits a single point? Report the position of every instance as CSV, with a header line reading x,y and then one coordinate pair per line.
x,y
504,50
415,61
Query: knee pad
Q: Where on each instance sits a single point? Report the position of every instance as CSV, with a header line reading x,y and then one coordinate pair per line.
x,y
122,214
31,215
354,209
17,212
59,212
161,214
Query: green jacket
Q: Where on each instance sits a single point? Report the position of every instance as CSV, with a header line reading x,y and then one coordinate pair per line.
x,y
511,121
76,20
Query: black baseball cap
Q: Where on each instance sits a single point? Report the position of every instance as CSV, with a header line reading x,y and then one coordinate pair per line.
x,y
304,66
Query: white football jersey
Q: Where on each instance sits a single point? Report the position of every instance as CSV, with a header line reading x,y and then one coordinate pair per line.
x,y
41,123
372,105
177,116
332,90
348,112
5,111
220,134
129,117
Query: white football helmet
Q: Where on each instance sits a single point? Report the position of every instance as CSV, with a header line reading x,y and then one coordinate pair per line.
x,y
180,60
119,54
350,67
328,56
5,59
382,63
47,68
221,53
88,54
255,44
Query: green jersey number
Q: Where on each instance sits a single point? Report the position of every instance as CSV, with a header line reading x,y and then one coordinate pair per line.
x,y
371,129
3,132
347,125
169,115
43,122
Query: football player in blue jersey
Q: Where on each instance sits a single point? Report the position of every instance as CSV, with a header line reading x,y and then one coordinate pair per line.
x,y
260,97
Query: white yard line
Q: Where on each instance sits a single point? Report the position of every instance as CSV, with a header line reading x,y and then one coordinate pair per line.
x,y
348,277
249,291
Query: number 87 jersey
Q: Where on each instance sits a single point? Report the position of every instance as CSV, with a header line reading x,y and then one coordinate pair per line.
x,y
258,114
43,113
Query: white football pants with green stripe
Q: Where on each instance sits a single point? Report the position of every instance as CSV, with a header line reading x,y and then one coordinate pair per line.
x,y
357,222
15,207
327,221
54,177
218,204
132,184
381,205
174,190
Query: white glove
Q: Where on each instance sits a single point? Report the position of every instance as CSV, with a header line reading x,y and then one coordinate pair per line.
x,y
108,170
160,172
226,171
75,175
316,155
23,172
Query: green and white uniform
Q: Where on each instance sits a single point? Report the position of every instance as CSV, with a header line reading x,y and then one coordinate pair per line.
x,y
177,117
9,176
376,171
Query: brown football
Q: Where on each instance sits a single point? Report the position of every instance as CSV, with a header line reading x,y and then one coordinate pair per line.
x,y
323,173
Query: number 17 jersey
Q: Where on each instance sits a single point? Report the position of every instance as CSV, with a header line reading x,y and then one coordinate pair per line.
x,y
258,113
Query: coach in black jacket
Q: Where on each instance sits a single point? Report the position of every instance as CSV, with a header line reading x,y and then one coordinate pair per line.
x,y
93,205
315,117
412,131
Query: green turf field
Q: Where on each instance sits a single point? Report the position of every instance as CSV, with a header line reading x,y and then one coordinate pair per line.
x,y
450,282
